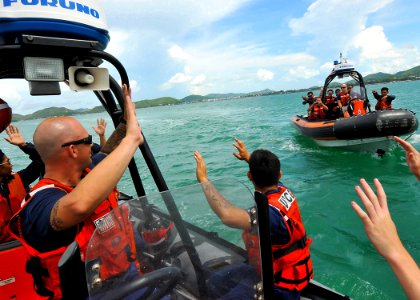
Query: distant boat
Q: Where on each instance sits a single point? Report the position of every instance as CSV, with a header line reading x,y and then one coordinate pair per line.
x,y
372,131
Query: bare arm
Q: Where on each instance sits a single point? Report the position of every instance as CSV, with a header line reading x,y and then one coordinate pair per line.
x,y
383,234
98,184
229,214
412,156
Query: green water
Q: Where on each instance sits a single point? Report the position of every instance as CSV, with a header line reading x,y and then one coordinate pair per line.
x,y
322,179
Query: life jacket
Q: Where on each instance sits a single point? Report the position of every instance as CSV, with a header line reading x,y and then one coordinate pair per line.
x,y
344,99
292,264
330,99
358,107
10,204
114,231
317,112
383,105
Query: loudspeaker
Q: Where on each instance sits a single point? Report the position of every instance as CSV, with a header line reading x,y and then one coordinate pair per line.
x,y
88,79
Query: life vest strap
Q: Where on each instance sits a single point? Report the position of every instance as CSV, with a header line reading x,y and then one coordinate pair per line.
x,y
279,278
33,267
300,244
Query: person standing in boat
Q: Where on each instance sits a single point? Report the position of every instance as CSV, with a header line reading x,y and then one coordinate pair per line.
x,y
384,100
292,264
317,110
14,185
72,199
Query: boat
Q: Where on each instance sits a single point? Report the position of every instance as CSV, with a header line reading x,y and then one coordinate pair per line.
x,y
372,131
176,251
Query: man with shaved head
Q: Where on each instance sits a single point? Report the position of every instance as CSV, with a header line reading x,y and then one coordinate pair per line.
x,y
72,200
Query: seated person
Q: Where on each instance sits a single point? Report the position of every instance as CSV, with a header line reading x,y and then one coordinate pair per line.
x,y
317,110
332,104
309,99
337,93
384,100
352,92
344,98
14,185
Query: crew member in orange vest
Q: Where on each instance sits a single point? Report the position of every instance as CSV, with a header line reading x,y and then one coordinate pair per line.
x,y
384,100
344,98
71,201
292,265
317,110
14,185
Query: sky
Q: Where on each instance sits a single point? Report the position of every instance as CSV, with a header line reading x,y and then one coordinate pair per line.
x,y
181,47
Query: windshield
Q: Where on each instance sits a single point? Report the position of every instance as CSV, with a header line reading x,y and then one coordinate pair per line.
x,y
140,248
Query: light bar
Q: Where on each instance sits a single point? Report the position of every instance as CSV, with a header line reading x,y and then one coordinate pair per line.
x,y
43,69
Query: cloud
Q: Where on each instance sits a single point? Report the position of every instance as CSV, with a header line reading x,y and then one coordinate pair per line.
x,y
380,54
264,75
178,53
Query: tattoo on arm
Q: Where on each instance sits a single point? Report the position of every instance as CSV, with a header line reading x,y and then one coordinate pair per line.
x,y
55,221
215,199
115,139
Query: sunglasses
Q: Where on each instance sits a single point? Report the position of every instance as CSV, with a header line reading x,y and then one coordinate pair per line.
x,y
87,140
5,163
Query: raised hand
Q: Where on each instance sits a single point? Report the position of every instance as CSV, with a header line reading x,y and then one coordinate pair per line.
x,y
412,156
100,128
377,220
242,153
133,126
201,169
15,137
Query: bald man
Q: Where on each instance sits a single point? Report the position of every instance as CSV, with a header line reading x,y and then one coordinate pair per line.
x,y
72,200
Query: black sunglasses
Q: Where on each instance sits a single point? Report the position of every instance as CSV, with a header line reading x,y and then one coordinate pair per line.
x,y
87,140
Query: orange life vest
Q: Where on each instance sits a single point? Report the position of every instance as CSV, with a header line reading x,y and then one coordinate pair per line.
x,y
292,264
344,99
330,99
358,107
10,204
116,254
383,105
317,112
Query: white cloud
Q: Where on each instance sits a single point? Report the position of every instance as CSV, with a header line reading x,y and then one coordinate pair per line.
x,y
119,40
301,72
198,80
178,53
334,23
264,75
380,55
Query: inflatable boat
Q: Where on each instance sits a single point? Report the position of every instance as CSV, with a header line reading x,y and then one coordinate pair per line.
x,y
372,130
176,255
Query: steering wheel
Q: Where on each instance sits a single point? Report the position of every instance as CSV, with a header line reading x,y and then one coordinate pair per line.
x,y
169,275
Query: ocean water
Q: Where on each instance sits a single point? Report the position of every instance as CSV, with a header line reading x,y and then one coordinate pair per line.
x,y
323,179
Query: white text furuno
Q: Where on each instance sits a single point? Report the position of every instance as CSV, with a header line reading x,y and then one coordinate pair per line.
x,y
70,5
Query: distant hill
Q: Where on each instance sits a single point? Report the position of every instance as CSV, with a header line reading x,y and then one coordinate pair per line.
x,y
411,74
